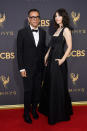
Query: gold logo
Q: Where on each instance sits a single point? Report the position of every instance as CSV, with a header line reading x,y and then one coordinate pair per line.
x,y
7,55
44,23
75,17
2,19
74,77
77,53
4,80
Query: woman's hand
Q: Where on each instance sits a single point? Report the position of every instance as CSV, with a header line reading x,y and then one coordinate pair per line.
x,y
60,61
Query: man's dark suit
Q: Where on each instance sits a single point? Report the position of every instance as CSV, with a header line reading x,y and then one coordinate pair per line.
x,y
31,58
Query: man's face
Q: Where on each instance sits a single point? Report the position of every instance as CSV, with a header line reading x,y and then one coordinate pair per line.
x,y
34,19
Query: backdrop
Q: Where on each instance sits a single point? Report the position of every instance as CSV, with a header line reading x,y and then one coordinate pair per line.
x,y
13,15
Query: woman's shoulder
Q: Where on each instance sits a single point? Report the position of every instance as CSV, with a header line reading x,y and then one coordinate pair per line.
x,y
66,30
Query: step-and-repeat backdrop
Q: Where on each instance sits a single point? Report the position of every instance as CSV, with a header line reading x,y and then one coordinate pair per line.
x,y
13,16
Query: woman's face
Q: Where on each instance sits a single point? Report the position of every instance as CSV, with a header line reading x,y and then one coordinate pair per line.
x,y
58,18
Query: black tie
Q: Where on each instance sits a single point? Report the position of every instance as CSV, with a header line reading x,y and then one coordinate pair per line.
x,y
34,30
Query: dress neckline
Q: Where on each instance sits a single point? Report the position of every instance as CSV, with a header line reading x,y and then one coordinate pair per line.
x,y
59,33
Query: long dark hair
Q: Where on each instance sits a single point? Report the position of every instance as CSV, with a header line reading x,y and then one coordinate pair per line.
x,y
66,20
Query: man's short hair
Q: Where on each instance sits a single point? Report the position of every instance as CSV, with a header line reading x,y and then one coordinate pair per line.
x,y
31,10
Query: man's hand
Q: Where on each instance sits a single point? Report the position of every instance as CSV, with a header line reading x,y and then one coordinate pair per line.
x,y
23,73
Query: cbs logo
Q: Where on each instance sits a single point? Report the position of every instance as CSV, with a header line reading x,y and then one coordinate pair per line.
x,y
77,53
7,55
44,23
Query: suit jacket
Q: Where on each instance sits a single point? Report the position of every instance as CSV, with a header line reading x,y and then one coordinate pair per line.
x,y
27,53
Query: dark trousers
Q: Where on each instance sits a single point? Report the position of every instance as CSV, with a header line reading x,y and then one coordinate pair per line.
x,y
32,87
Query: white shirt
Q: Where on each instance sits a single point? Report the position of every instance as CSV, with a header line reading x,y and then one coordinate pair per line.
x,y
35,35
36,38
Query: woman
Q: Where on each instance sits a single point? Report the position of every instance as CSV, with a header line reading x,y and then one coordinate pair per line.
x,y
55,99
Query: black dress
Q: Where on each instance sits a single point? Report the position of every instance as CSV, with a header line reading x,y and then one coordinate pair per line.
x,y
55,100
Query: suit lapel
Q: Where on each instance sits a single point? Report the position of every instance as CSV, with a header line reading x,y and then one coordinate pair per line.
x,y
31,34
40,36
32,37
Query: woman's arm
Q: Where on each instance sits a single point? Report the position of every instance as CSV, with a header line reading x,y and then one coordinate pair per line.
x,y
46,56
68,38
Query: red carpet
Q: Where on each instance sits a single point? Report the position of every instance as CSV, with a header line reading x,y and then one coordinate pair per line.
x,y
12,120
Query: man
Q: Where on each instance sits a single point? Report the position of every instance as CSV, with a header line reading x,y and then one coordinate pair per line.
x,y
30,53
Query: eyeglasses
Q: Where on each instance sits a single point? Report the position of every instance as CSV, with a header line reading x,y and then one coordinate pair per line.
x,y
34,17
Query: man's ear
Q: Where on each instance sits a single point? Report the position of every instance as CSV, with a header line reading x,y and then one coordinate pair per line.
x,y
39,21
